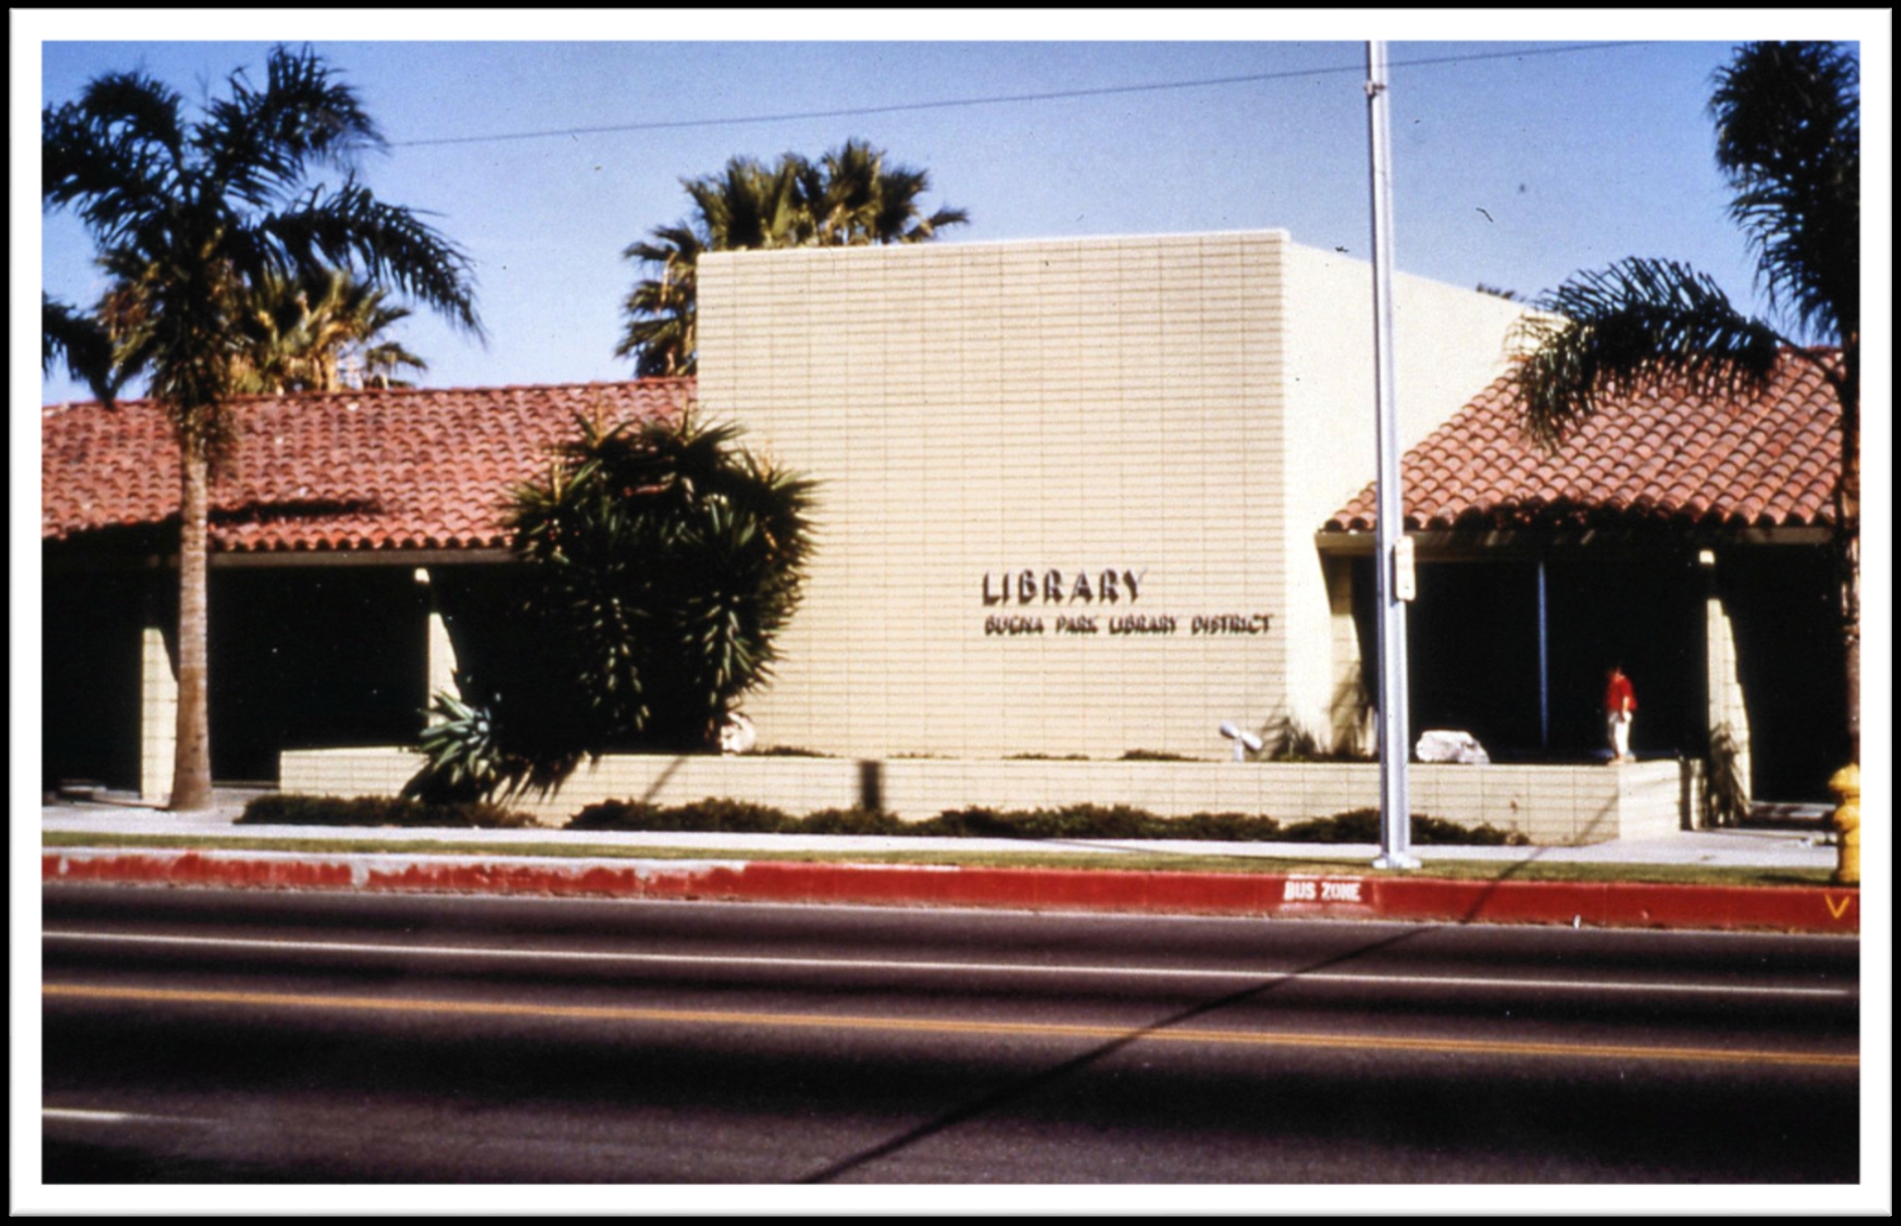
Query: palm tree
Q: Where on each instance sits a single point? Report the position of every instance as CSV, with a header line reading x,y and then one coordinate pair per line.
x,y
320,333
848,198
857,201
753,207
189,220
1788,121
746,207
662,325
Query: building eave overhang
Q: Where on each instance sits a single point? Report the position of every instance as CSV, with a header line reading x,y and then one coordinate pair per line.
x,y
1472,544
73,561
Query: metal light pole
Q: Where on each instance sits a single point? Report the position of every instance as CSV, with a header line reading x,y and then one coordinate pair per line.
x,y
1395,555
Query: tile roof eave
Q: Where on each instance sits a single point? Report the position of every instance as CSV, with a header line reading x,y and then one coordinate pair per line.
x,y
357,472
1671,455
1539,538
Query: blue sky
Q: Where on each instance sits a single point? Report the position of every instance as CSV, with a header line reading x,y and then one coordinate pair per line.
x,y
1515,163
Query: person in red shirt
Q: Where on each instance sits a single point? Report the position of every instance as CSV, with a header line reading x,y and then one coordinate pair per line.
x,y
1620,705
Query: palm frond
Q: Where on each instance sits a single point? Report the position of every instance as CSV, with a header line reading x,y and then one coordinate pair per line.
x,y
349,227
113,156
319,332
82,346
1788,119
258,143
1628,328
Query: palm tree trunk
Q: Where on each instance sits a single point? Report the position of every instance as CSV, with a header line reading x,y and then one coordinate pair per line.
x,y
1848,533
1851,640
191,769
1850,510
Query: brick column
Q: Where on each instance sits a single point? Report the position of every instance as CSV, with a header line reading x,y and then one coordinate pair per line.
x,y
442,662
1728,717
158,716
1351,722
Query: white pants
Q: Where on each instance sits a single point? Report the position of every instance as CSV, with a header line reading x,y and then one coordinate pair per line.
x,y
1619,723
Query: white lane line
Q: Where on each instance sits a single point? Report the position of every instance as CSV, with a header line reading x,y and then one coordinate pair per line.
x,y
882,964
111,1117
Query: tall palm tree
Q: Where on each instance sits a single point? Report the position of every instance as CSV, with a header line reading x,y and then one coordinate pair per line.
x,y
849,197
745,207
189,219
1788,138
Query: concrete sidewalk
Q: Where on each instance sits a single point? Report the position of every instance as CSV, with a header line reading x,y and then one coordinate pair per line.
x,y
722,869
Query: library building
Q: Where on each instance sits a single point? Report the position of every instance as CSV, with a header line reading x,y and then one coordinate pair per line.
x,y
1080,504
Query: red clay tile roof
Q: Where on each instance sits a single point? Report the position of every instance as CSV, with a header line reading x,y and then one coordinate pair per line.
x,y
1672,457
377,470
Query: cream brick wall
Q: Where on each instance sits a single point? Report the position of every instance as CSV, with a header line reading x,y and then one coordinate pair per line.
x,y
980,411
1552,805
1450,344
1125,405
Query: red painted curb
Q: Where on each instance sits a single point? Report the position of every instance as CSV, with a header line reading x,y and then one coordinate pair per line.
x,y
195,868
1599,904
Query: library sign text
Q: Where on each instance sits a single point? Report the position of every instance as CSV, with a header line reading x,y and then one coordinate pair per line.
x,y
1094,602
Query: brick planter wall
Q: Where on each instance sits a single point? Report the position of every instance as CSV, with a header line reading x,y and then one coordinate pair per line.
x,y
1551,805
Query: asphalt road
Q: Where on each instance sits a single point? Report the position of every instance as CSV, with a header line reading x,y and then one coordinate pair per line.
x,y
202,1036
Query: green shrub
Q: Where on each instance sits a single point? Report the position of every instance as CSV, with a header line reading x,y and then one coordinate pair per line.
x,y
660,562
702,816
620,815
1363,826
461,761
1358,826
973,824
1074,822
1095,822
736,817
1223,827
853,821
1439,830
293,810
665,559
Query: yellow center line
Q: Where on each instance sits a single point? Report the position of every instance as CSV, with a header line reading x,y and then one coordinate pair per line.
x,y
622,1013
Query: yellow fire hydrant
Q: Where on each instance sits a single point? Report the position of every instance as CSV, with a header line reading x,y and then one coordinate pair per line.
x,y
1846,784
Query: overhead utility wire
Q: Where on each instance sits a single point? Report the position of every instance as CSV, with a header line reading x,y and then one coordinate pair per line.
x,y
657,125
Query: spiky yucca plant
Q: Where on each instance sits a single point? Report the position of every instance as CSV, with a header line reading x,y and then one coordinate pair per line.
x,y
462,760
667,560
663,560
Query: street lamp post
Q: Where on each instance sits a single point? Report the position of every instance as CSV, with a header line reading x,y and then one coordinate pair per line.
x,y
1395,558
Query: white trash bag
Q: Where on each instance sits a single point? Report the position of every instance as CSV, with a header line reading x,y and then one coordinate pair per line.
x,y
736,735
1444,745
